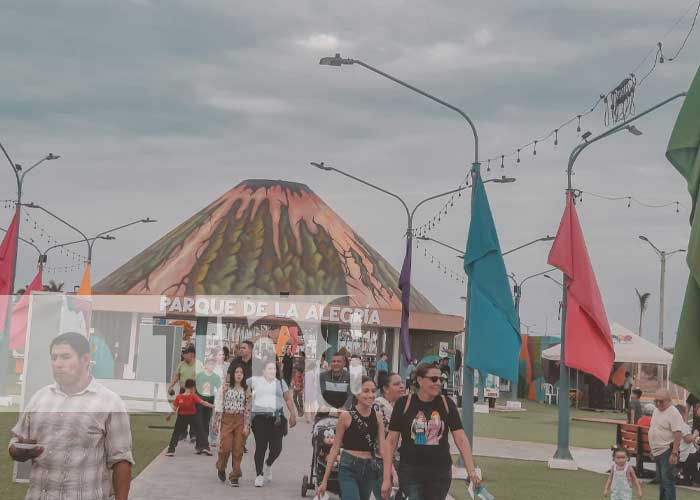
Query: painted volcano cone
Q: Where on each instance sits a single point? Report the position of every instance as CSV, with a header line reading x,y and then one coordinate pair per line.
x,y
264,237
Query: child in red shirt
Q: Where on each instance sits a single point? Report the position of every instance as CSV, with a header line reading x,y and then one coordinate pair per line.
x,y
185,405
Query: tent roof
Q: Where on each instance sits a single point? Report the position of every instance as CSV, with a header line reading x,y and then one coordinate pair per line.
x,y
265,237
629,348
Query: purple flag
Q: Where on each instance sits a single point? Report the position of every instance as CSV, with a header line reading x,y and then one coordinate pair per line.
x,y
405,287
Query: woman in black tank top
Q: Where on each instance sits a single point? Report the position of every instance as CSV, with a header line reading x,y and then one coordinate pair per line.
x,y
360,432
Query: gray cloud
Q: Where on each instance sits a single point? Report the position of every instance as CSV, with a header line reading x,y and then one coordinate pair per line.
x,y
159,107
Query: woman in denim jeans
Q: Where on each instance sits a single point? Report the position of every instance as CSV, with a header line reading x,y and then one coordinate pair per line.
x,y
360,430
423,421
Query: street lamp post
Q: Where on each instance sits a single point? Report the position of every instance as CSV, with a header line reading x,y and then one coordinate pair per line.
x,y
563,454
517,295
468,373
20,174
89,241
663,255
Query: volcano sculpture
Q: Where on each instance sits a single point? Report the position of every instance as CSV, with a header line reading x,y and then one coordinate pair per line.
x,y
264,237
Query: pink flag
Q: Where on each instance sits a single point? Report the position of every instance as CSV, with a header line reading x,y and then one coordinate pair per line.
x,y
20,314
588,345
8,252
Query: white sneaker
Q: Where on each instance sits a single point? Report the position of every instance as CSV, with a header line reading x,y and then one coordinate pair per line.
x,y
268,473
259,481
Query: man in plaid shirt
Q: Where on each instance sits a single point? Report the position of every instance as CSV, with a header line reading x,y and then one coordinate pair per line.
x,y
82,429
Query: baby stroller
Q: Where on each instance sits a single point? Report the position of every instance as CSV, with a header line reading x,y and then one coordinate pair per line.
x,y
322,438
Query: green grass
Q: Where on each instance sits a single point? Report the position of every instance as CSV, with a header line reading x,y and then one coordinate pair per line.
x,y
539,424
520,479
147,443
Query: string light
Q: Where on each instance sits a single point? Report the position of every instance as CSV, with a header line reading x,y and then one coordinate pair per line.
x,y
455,276
578,193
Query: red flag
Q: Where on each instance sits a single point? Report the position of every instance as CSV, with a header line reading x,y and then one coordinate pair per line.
x,y
8,252
20,314
588,346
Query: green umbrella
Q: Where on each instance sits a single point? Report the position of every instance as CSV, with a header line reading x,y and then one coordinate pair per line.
x,y
683,152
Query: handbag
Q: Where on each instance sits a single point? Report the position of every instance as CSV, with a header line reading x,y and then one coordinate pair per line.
x,y
376,463
280,419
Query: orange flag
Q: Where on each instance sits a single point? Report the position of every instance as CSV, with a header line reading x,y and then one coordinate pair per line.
x,y
85,287
588,345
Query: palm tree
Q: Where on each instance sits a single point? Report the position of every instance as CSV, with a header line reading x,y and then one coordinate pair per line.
x,y
53,287
643,299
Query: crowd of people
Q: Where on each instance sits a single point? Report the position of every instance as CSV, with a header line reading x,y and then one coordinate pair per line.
x,y
389,440
375,449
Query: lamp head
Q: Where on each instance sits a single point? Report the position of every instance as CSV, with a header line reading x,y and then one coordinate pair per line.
x,y
643,238
52,156
148,220
108,237
634,130
586,135
334,61
321,166
425,238
504,180
547,238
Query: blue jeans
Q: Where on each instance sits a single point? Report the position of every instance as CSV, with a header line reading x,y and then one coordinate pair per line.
x,y
357,478
424,483
666,473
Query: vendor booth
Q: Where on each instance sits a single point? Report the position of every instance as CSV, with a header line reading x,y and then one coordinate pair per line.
x,y
648,364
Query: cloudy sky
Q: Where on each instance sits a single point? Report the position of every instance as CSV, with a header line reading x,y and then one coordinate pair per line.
x,y
157,108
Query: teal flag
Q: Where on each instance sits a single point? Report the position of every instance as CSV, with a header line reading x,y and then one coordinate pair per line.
x,y
684,154
494,330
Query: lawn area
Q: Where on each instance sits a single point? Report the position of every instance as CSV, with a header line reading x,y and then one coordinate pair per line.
x,y
520,479
147,444
539,424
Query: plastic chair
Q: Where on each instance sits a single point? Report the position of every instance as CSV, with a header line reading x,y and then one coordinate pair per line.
x,y
550,395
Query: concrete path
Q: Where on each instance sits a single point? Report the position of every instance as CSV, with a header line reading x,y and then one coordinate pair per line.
x,y
189,474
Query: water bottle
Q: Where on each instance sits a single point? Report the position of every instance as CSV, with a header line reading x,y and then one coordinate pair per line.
x,y
483,494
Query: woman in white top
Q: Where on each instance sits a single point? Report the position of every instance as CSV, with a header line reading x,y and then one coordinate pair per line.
x,y
392,388
269,395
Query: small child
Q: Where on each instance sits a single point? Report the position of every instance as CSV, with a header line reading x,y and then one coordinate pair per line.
x,y
622,477
185,405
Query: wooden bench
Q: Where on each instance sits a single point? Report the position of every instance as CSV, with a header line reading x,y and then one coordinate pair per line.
x,y
635,440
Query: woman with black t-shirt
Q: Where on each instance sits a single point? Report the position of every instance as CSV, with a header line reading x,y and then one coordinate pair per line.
x,y
359,432
422,421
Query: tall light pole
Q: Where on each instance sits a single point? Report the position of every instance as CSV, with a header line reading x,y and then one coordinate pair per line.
x,y
90,242
474,172
563,453
20,175
663,255
517,295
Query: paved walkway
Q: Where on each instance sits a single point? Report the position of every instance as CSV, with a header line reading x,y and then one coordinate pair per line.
x,y
187,473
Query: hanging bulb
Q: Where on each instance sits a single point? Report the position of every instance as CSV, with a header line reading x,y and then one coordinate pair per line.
x,y
518,160
556,138
578,128
502,157
629,201
677,211
452,202
534,149
661,59
488,166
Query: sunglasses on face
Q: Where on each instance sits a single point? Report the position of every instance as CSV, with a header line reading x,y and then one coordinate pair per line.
x,y
432,379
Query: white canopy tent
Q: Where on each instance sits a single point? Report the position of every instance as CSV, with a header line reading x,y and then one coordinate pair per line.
x,y
629,348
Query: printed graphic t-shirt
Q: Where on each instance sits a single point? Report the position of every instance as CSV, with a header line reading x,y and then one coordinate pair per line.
x,y
424,428
207,385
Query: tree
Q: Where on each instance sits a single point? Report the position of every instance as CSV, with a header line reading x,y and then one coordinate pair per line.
x,y
643,300
53,287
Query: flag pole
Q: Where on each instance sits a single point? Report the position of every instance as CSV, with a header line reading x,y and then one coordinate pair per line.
x,y
562,457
